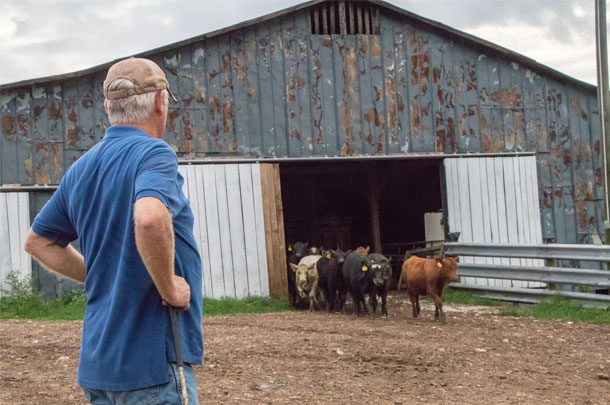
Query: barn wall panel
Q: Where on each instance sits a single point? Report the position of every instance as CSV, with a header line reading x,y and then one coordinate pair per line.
x,y
14,226
494,200
226,201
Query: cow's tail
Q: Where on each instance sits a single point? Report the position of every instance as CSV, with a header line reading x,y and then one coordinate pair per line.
x,y
400,281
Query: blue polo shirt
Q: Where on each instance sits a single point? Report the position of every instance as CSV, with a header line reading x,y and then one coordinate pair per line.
x,y
127,340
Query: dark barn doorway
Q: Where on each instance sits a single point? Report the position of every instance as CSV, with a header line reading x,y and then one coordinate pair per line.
x,y
329,203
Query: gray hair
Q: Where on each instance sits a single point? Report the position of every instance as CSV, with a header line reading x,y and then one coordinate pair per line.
x,y
132,109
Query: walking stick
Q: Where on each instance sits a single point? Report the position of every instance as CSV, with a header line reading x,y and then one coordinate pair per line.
x,y
175,332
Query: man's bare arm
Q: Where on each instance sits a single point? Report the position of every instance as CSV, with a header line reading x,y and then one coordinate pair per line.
x,y
155,243
66,261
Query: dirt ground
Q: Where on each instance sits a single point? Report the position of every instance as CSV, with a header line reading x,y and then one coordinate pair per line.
x,y
477,357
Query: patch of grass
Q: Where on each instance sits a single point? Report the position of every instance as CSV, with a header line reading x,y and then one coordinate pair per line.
x,y
20,301
454,296
250,305
562,308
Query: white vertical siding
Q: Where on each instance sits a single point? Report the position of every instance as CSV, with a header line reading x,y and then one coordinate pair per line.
x,y
494,200
226,200
14,225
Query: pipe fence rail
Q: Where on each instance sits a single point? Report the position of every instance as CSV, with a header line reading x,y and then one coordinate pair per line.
x,y
562,277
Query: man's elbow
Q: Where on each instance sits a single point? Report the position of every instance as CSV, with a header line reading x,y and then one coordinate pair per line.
x,y
150,215
150,222
32,243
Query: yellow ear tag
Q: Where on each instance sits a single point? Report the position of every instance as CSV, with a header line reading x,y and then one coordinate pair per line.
x,y
290,248
364,268
328,255
372,261
439,264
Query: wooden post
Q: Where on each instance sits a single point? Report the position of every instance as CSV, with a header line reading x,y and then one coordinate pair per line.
x,y
603,98
374,190
274,230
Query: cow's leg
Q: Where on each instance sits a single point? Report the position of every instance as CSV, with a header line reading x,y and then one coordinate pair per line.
x,y
414,303
439,314
372,302
341,296
384,303
358,300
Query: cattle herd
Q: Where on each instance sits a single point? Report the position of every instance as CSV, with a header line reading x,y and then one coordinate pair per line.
x,y
316,274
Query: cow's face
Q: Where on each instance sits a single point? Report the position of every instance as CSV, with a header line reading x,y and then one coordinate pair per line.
x,y
303,274
450,268
299,249
381,269
340,256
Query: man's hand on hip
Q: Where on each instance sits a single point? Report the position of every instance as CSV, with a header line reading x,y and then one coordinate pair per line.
x,y
181,295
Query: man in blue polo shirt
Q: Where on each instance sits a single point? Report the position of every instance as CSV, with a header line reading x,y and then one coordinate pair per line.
x,y
123,200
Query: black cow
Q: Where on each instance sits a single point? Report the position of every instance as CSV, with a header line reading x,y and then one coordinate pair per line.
x,y
330,279
295,253
358,276
383,269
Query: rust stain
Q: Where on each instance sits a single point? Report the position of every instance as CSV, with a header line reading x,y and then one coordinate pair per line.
x,y
415,121
38,110
73,135
187,131
486,144
375,48
599,178
547,199
441,135
327,43
598,147
212,75
28,165
295,134
72,116
364,44
23,124
583,115
227,116
567,157
8,125
318,124
55,112
346,121
558,193
462,124
292,114
226,62
581,212
436,74
171,119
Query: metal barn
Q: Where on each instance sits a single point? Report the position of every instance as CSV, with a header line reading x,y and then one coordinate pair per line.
x,y
340,123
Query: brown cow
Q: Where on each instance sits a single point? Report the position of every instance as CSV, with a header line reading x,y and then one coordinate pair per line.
x,y
428,277
362,251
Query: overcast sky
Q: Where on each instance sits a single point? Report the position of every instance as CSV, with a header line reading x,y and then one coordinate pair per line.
x,y
47,37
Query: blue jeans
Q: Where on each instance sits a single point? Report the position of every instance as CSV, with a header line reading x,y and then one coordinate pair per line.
x,y
166,394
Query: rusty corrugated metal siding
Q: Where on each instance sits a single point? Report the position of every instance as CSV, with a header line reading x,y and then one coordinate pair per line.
x,y
275,90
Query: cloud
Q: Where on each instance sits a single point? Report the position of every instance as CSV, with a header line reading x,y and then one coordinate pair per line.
x,y
41,38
